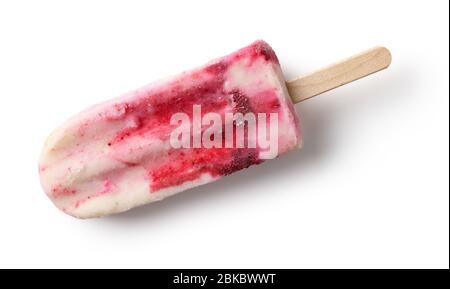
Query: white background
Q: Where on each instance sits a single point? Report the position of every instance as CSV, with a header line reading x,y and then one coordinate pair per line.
x,y
368,190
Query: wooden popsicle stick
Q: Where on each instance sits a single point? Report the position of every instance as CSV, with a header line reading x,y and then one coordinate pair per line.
x,y
340,73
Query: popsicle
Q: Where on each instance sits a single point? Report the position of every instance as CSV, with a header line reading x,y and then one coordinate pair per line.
x,y
185,131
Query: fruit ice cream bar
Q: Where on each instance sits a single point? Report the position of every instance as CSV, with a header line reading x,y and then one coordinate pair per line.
x,y
121,154
182,132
